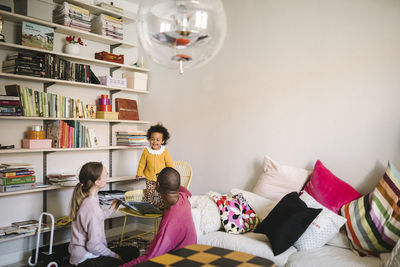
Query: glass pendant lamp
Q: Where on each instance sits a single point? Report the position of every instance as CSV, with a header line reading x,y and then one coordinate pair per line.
x,y
181,34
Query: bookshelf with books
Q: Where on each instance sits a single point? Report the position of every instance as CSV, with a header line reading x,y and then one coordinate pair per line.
x,y
117,158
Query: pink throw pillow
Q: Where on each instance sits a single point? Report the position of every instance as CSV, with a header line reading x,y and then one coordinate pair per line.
x,y
279,180
328,189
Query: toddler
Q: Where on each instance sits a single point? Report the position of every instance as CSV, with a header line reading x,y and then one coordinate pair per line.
x,y
88,246
153,160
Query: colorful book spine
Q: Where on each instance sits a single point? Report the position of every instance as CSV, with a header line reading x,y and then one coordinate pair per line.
x,y
10,174
18,180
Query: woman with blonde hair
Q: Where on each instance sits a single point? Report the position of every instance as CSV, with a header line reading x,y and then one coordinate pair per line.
x,y
88,246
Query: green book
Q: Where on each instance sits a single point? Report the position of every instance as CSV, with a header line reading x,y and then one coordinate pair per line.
x,y
18,180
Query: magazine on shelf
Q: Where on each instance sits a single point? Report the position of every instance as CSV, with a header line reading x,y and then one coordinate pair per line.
x,y
38,36
141,207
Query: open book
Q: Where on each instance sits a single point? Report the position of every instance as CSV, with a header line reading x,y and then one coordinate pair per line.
x,y
141,207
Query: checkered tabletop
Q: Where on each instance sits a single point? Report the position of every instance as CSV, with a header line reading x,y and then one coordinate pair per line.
x,y
202,255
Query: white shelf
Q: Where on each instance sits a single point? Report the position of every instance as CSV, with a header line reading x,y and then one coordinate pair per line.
x,y
18,236
115,179
97,62
27,150
68,119
71,83
99,10
30,191
9,16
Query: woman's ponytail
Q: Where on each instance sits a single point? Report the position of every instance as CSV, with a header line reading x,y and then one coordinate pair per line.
x,y
88,175
77,197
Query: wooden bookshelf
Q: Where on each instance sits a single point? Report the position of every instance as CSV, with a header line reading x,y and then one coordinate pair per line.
x,y
9,16
96,10
69,119
91,61
70,83
27,150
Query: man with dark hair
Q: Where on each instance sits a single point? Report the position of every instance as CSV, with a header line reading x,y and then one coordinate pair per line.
x,y
176,228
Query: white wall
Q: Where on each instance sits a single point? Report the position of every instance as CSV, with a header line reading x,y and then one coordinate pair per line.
x,y
297,80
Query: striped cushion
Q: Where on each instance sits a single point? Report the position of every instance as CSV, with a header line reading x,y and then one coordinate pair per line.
x,y
373,221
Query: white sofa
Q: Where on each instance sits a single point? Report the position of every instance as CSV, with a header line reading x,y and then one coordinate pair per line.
x,y
335,253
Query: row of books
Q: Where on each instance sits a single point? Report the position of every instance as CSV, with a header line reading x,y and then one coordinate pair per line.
x,y
70,134
40,104
48,66
134,138
10,106
72,16
108,26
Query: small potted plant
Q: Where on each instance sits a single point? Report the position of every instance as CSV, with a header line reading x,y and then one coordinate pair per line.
x,y
73,44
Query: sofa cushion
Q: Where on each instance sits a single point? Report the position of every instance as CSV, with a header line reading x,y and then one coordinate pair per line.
x,y
324,227
328,189
373,221
236,214
207,215
328,256
261,205
287,222
278,180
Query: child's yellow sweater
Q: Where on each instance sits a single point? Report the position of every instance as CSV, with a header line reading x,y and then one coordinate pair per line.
x,y
153,161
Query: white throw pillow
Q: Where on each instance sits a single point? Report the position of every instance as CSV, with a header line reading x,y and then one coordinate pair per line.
x,y
322,229
279,180
209,215
259,204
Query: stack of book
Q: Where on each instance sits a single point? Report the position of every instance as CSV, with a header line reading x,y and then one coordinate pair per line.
x,y
72,16
10,106
70,134
108,26
134,138
30,64
62,179
40,104
14,177
106,197
24,227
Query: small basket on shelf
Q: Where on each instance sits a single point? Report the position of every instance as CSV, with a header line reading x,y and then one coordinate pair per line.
x,y
109,57
135,195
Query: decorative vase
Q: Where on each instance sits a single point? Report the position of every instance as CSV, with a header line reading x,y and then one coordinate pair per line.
x,y
72,49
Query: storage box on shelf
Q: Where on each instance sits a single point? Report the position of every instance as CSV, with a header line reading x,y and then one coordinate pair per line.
x,y
136,80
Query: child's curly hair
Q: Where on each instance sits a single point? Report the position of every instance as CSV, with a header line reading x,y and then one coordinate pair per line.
x,y
158,128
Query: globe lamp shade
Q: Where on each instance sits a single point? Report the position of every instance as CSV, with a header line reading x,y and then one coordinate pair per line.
x,y
181,34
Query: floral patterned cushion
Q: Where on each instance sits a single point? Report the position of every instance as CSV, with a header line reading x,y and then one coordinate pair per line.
x,y
236,214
